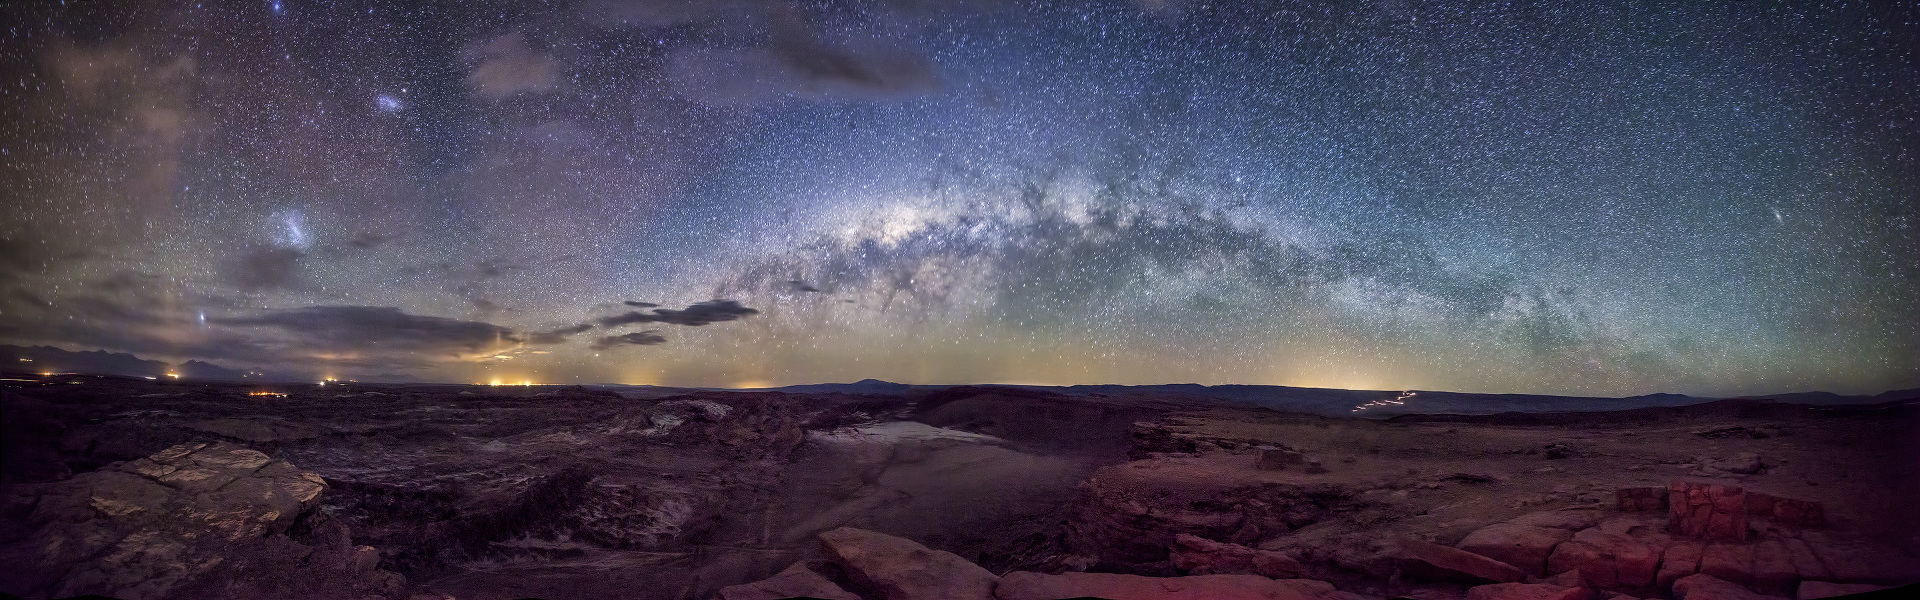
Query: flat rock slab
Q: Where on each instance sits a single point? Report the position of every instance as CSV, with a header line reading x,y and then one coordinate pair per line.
x,y
1426,560
1024,585
1523,546
156,526
1528,591
895,568
1701,586
1201,556
1607,559
796,582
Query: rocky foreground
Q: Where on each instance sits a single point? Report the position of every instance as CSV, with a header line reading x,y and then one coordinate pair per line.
x,y
155,490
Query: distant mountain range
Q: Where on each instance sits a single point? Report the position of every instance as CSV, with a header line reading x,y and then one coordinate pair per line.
x,y
1376,403
48,359
1332,402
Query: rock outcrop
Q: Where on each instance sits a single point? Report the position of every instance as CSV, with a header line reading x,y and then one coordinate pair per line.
x,y
1425,560
190,521
1707,587
1022,585
1607,559
1129,514
795,581
1524,546
1707,511
1528,591
1200,556
894,568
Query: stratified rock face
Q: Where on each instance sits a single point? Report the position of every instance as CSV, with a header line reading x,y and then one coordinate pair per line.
x,y
1129,514
795,582
1023,585
1200,556
1528,591
1707,587
1707,511
895,568
164,525
1523,546
1606,559
1433,561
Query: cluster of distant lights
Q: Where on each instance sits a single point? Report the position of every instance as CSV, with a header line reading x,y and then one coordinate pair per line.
x,y
1404,397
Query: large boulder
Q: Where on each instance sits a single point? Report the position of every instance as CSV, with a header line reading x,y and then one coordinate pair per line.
x,y
796,581
192,520
1528,591
1707,511
1024,585
1607,559
1523,546
1679,560
1425,560
894,568
1200,556
1701,586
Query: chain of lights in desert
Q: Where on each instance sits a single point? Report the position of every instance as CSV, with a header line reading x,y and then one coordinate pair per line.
x,y
1709,197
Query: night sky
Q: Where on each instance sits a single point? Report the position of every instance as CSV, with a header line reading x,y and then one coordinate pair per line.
x,y
1709,197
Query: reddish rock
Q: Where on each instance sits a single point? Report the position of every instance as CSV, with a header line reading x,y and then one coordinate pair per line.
x,y
1701,586
1607,559
1728,562
896,568
1528,591
1813,590
1568,578
1571,520
1679,560
1640,499
1523,546
1805,564
1773,569
1024,585
1423,560
1200,556
796,581
1788,511
1706,511
193,520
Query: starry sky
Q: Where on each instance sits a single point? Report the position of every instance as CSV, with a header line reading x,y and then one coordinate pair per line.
x,y
1708,197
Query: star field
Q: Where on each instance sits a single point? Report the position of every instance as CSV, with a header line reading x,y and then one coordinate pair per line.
x,y
1703,197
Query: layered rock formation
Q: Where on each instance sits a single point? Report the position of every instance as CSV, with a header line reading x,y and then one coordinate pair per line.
x,y
894,568
190,520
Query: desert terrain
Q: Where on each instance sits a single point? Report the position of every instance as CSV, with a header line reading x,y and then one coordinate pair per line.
x,y
164,489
